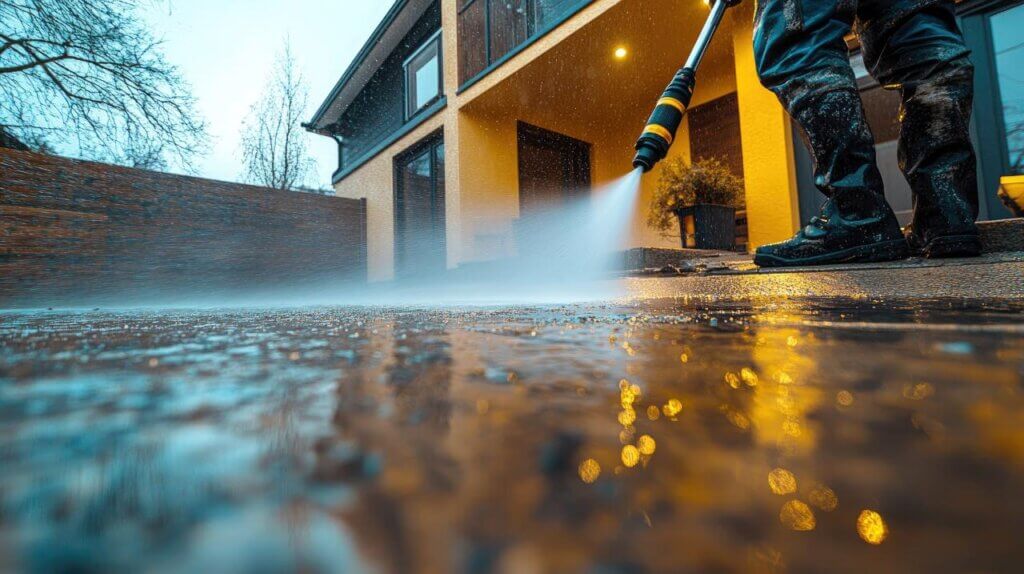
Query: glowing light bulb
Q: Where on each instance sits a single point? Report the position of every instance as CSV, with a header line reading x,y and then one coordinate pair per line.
x,y
621,53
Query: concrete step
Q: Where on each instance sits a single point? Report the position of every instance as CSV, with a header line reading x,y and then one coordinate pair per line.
x,y
1002,235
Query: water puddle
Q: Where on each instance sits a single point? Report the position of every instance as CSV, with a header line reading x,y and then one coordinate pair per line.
x,y
653,436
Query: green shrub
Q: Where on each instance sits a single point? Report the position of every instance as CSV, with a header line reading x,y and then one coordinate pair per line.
x,y
681,185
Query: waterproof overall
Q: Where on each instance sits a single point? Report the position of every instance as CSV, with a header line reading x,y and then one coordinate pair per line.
x,y
914,46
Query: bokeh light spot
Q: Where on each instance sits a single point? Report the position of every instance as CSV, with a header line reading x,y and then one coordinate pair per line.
x,y
797,516
823,498
872,527
781,481
589,471
646,445
630,455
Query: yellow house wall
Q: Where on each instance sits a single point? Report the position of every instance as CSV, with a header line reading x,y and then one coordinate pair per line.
x,y
374,181
771,191
561,83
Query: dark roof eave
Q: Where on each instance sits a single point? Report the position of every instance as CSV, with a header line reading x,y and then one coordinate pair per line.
x,y
359,60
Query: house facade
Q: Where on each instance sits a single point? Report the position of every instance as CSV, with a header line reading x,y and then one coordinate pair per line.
x,y
460,117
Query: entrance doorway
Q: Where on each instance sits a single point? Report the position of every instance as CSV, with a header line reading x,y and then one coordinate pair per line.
x,y
553,169
419,210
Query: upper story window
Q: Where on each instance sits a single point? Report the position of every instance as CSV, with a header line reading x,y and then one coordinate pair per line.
x,y
423,76
491,29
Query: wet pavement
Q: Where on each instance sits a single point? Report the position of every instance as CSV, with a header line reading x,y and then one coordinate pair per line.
x,y
799,434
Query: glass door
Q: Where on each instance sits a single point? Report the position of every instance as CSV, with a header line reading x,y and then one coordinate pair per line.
x,y
419,211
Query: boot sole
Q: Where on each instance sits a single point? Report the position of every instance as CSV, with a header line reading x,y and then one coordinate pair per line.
x,y
952,246
892,250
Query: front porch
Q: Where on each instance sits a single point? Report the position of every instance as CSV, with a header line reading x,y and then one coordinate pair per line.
x,y
596,87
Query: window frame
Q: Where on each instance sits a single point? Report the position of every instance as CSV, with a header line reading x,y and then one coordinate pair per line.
x,y
410,109
987,127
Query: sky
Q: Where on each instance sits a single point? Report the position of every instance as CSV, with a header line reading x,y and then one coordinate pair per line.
x,y
226,48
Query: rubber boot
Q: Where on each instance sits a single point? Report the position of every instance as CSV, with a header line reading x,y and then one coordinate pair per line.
x,y
856,224
938,159
832,237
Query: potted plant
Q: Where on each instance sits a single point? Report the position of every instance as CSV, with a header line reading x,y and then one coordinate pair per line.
x,y
701,199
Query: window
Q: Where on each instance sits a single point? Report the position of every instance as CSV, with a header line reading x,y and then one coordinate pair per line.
x,y
491,29
1008,52
423,80
420,209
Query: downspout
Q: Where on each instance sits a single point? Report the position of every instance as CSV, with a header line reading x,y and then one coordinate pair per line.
x,y
341,152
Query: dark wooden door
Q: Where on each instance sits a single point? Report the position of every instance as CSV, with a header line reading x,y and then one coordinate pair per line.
x,y
419,210
553,169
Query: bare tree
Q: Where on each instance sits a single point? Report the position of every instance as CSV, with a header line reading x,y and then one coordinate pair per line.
x,y
273,142
87,78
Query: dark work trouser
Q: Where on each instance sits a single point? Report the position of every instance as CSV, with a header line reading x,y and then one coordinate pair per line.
x,y
911,45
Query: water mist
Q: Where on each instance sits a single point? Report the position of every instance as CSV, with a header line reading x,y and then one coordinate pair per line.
x,y
565,253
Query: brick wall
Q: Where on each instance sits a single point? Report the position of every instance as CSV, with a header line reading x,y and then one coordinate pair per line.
x,y
81,233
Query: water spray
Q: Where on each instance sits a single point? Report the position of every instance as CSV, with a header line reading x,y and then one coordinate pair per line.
x,y
661,129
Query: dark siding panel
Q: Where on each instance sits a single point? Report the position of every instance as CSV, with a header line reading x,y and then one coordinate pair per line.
x,y
715,133
379,110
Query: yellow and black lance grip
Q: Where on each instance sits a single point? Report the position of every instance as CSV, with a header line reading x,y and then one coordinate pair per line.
x,y
661,129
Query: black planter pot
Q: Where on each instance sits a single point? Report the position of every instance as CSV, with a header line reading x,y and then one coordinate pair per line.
x,y
712,227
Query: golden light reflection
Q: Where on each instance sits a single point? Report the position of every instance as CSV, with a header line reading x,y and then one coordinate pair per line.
x,y
590,470
672,408
738,419
630,455
626,435
749,377
684,358
646,445
781,481
733,380
844,398
918,391
797,516
823,498
872,527
627,417
627,398
653,412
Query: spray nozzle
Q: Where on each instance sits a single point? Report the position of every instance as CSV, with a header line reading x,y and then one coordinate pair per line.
x,y
646,157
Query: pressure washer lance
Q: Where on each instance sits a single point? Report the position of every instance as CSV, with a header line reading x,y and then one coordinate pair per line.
x,y
654,143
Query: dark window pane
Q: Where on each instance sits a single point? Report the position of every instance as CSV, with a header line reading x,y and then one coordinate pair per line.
x,y
1008,48
715,133
509,28
491,29
472,40
420,219
548,12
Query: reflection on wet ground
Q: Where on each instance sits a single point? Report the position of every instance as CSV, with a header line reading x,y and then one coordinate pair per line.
x,y
663,436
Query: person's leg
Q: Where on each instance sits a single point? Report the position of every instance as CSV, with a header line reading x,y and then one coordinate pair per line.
x,y
801,55
921,51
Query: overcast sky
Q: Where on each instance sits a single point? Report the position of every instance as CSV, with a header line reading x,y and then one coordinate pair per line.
x,y
226,48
